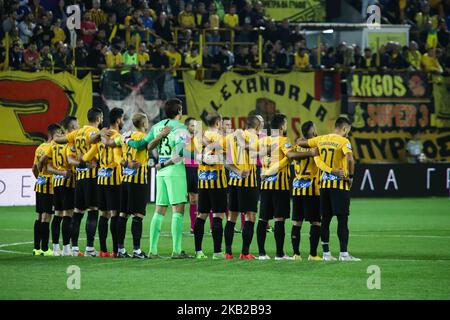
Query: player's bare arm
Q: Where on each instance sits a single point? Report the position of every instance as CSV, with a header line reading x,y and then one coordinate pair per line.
x,y
53,170
35,171
339,172
351,167
60,138
297,155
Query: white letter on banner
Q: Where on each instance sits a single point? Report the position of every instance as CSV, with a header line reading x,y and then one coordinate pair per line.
x,y
391,178
429,170
368,177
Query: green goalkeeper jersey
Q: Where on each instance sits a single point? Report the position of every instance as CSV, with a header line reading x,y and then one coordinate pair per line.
x,y
168,147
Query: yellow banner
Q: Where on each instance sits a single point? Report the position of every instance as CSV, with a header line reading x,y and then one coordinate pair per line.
x,y
379,146
238,96
441,93
29,102
295,10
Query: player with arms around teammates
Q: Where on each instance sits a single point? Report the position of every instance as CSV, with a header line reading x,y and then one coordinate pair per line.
x,y
171,185
86,180
335,152
61,160
44,196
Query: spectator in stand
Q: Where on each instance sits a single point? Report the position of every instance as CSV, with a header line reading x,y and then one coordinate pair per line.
x,y
143,56
88,29
213,19
271,31
9,23
109,8
175,58
162,27
112,28
160,61
414,148
284,32
397,60
224,60
163,6
242,59
201,15
413,56
258,17
207,62
231,22
60,12
134,28
81,54
297,34
16,57
349,58
36,9
31,57
62,57
329,60
46,57
114,58
357,55
96,57
301,59
43,32
254,57
194,61
281,58
26,28
443,34
97,14
148,18
122,8
430,63
186,18
58,33
130,62
368,61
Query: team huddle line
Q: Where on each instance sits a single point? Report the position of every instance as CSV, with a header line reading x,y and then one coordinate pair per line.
x,y
222,173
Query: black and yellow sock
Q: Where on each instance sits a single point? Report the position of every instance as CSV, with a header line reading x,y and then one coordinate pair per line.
x,y
91,227
199,229
113,230
56,229
314,236
217,234
295,239
247,236
261,236
279,233
103,232
45,232
229,235
136,231
65,229
37,234
76,223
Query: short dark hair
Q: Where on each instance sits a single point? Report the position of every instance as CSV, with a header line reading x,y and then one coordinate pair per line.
x,y
94,113
172,107
67,120
277,121
213,119
341,121
189,119
52,128
115,114
226,118
253,122
306,127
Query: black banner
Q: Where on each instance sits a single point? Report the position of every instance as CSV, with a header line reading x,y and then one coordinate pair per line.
x,y
401,180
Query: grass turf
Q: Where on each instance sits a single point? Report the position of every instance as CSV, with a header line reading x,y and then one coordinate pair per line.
x,y
407,238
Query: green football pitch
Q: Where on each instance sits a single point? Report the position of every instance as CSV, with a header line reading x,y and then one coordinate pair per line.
x,y
407,239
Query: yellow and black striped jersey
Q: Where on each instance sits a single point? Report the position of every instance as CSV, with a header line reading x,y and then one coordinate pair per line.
x,y
333,149
275,150
211,176
110,171
244,158
306,180
139,175
58,155
44,181
80,138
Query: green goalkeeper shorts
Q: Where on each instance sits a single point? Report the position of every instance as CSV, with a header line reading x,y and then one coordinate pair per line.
x,y
171,190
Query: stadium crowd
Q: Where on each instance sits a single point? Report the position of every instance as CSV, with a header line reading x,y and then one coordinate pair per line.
x,y
164,34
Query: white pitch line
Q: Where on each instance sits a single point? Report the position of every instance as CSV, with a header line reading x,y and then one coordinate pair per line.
x,y
16,252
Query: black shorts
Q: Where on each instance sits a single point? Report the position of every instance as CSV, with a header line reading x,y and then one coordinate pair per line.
x,y
242,199
192,179
133,198
334,202
306,208
275,204
108,197
64,198
212,199
44,203
86,193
